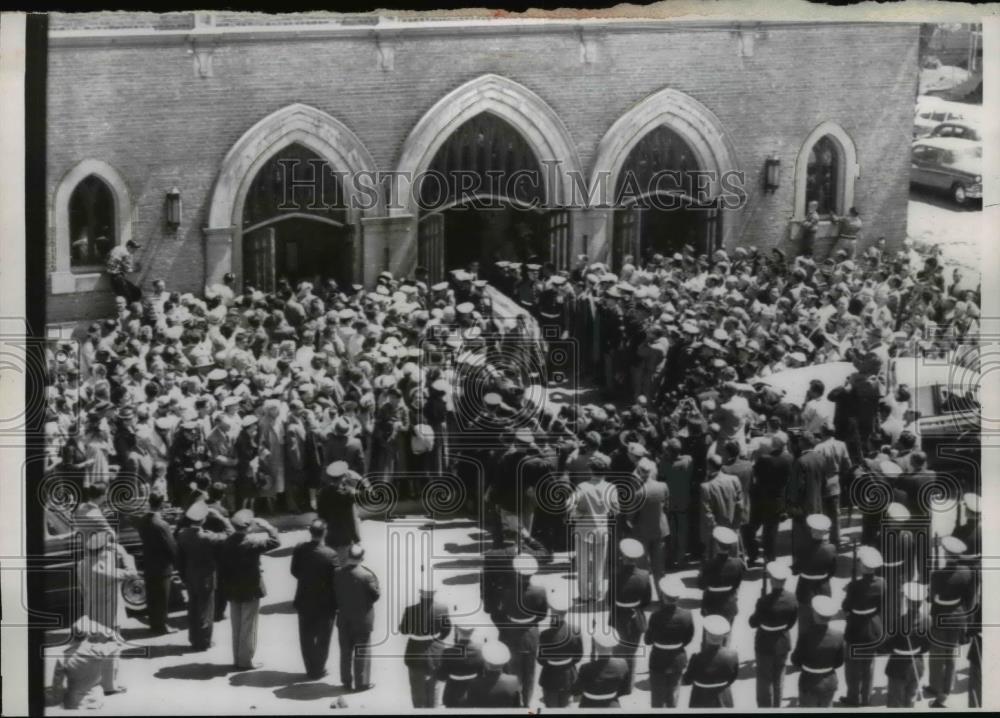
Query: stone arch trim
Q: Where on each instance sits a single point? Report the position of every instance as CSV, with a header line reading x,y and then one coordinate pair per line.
x,y
524,110
323,134
849,162
63,278
683,114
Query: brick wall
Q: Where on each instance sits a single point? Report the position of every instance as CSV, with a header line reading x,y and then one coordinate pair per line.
x,y
145,110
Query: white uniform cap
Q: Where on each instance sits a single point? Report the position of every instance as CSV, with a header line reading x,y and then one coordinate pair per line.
x,y
465,308
558,600
525,564
916,592
971,501
870,557
778,571
496,653
897,512
337,468
889,468
818,522
606,639
953,545
724,536
630,548
671,587
716,625
824,606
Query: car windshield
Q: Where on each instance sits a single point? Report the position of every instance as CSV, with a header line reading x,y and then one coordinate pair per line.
x,y
966,153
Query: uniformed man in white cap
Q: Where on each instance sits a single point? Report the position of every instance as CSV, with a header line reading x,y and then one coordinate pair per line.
x,y
970,533
773,617
602,679
952,596
461,661
427,624
816,565
198,550
670,631
898,561
720,577
863,601
818,653
560,649
494,688
522,607
714,668
628,596
906,646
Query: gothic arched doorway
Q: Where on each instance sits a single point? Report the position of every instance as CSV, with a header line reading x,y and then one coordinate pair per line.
x,y
483,199
660,201
295,224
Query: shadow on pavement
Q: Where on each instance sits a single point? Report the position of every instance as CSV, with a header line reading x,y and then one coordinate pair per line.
x,y
195,671
264,679
160,651
748,669
462,579
273,608
309,691
280,552
476,548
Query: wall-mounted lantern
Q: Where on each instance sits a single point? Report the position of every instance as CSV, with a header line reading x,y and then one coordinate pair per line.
x,y
174,208
772,173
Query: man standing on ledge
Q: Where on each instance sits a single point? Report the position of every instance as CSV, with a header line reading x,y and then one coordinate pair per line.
x,y
120,263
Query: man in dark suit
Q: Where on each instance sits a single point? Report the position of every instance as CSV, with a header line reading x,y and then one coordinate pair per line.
x,y
805,491
314,564
771,473
357,589
239,566
560,649
722,503
159,553
339,445
337,505
494,688
677,473
198,556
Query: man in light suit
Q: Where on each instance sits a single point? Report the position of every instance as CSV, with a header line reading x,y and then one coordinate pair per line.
x,y
649,522
722,502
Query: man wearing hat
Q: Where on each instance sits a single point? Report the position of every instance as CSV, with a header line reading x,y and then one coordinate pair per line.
x,y
461,662
560,649
628,596
494,688
771,473
340,445
722,502
522,607
198,563
159,553
670,630
862,605
605,676
906,645
720,577
899,561
952,592
314,565
356,588
816,565
714,668
818,653
119,265
242,580
337,505
773,617
427,624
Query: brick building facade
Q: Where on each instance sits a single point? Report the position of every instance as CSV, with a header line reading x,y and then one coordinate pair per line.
x,y
201,102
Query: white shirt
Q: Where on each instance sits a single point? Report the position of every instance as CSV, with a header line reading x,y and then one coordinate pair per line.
x,y
817,413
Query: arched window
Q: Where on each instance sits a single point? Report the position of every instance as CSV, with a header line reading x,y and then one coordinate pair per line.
x,y
823,175
91,224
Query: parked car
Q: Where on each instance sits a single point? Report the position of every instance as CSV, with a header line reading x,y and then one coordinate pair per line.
x,y
962,130
932,111
61,601
950,165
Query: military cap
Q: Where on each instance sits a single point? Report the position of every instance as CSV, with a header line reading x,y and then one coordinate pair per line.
x,y
217,375
465,308
724,536
524,436
818,522
249,420
971,501
778,571
670,587
870,558
495,654
915,592
824,607
637,450
441,385
533,267
606,639
337,469
897,512
716,625
630,548
356,553
492,399
558,600
242,518
525,564
197,512
953,545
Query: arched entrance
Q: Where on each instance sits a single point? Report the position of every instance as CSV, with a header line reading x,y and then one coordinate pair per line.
x,y
657,207
295,222
482,199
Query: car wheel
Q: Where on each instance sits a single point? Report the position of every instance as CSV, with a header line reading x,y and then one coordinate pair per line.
x,y
958,194
134,594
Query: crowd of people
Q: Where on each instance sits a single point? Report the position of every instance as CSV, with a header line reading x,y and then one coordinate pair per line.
x,y
328,399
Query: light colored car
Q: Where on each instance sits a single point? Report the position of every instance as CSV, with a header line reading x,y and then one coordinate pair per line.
x,y
959,129
948,164
932,111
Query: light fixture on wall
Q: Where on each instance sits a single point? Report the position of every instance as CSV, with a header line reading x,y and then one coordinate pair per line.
x,y
772,173
174,208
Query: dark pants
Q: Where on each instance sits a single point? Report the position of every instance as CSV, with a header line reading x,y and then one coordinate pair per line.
x,y
678,539
122,287
523,665
975,672
423,687
831,507
627,651
815,693
220,604
354,654
157,598
656,556
555,698
902,692
769,535
941,670
315,632
663,689
770,680
858,674
201,615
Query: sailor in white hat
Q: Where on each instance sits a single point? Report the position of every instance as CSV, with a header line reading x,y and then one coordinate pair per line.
x,y
714,668
522,607
462,661
720,577
671,630
775,613
819,652
602,678
863,602
906,647
494,688
632,593
816,564
560,649
953,594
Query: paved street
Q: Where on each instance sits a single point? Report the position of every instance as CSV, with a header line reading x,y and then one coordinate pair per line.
x,y
935,220
163,676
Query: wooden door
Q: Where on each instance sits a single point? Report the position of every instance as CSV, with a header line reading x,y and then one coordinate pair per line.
x,y
258,253
430,246
559,238
625,237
